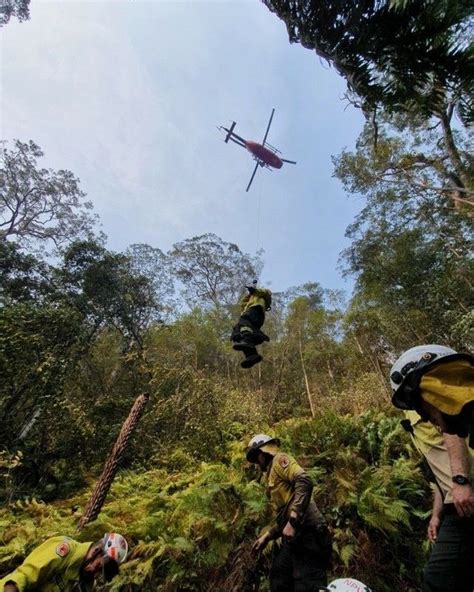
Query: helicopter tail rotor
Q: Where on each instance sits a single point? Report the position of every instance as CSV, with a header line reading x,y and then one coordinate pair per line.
x,y
229,132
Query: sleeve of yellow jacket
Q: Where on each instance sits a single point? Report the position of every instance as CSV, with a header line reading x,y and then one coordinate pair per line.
x,y
290,489
40,565
300,482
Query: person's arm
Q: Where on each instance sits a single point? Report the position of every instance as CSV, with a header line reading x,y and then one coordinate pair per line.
x,y
459,459
275,532
303,487
303,490
38,567
265,538
272,534
436,514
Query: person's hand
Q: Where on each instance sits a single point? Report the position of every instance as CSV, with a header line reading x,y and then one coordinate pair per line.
x,y
463,500
10,587
261,543
433,528
288,533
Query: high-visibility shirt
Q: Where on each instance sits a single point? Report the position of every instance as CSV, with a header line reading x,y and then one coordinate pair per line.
x,y
259,297
289,488
430,443
53,566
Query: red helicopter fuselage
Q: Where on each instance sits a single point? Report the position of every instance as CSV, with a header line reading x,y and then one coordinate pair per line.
x,y
264,154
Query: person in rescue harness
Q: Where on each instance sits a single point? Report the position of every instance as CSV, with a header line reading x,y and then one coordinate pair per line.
x,y
246,334
449,567
300,562
61,564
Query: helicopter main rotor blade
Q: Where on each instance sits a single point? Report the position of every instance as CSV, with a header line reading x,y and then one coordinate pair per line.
x,y
290,161
268,126
253,175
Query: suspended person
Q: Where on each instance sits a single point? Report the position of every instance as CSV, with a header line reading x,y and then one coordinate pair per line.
x,y
300,561
246,334
62,564
449,567
438,383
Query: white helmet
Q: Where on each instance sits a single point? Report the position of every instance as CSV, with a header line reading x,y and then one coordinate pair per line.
x,y
407,371
115,546
258,442
347,585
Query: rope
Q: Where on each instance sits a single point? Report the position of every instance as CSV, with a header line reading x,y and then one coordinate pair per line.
x,y
105,481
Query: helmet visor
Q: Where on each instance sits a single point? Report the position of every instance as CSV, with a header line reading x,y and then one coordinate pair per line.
x,y
252,454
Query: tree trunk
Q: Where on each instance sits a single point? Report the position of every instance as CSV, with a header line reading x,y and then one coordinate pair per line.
x,y
375,364
359,346
306,382
452,150
30,423
277,381
382,378
110,469
331,373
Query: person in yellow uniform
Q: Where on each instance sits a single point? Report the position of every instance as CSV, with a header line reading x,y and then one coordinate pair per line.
x,y
300,562
61,564
246,334
449,567
438,383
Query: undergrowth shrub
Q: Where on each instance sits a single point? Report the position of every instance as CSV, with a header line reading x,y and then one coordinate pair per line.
x,y
190,526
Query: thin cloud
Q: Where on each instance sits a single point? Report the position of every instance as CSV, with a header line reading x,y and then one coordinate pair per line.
x,y
127,95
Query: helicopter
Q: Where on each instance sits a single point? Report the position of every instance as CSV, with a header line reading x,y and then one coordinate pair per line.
x,y
265,154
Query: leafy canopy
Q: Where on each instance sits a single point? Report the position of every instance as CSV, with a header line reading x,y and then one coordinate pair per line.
x,y
398,55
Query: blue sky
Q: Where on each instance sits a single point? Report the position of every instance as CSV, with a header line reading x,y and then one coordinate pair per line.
x,y
127,96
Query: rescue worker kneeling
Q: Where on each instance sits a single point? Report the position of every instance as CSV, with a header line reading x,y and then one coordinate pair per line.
x,y
62,564
299,564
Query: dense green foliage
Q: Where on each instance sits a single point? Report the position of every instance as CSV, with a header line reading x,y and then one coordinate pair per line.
x,y
40,206
190,522
411,242
83,338
395,55
84,334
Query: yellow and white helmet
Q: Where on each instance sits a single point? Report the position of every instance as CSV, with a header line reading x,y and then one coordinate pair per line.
x,y
408,370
